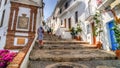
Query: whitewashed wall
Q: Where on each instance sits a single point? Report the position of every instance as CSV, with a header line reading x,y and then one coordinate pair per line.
x,y
106,17
105,35
3,29
71,14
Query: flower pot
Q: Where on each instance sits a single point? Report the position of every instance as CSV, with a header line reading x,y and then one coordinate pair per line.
x,y
117,53
99,45
78,38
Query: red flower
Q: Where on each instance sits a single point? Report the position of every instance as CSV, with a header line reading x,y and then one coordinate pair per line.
x,y
99,2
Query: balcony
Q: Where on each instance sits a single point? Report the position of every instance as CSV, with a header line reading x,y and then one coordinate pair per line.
x,y
72,6
104,4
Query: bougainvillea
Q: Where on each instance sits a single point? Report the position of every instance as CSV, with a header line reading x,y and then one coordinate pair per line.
x,y
6,57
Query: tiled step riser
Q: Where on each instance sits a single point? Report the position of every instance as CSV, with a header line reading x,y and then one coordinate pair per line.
x,y
51,37
79,64
72,48
75,48
64,46
60,59
65,42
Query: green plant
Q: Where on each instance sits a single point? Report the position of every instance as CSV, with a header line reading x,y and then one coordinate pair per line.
x,y
73,31
78,29
97,27
116,29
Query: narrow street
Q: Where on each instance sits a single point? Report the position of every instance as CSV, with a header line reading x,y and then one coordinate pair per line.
x,y
71,54
74,33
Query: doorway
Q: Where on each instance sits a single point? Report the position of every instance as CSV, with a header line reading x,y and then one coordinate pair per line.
x,y
112,35
69,23
65,23
94,37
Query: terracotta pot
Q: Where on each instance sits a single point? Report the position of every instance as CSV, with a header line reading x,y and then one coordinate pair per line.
x,y
78,38
117,53
99,44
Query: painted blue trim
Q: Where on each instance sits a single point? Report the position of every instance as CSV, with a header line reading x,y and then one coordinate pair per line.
x,y
112,35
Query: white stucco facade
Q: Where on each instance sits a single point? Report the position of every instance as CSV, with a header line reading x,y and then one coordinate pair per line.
x,y
4,25
86,9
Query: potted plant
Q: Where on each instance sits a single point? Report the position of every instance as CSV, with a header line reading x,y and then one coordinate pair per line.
x,y
97,28
118,52
73,32
116,29
78,31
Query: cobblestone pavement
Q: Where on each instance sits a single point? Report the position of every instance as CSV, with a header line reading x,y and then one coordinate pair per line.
x,y
81,57
65,46
67,54
70,55
79,64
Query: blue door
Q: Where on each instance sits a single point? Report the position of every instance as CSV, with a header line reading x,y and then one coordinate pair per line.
x,y
112,35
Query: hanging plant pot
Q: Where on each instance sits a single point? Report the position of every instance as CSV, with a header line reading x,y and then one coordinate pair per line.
x,y
117,53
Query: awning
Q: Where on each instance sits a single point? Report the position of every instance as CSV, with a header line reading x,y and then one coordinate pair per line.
x,y
115,3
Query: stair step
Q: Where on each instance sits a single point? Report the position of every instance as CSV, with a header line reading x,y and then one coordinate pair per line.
x,y
80,64
66,55
65,46
65,42
58,51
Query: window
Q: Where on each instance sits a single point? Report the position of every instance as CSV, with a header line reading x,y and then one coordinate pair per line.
x,y
69,23
65,23
60,10
5,2
66,5
53,17
76,17
0,2
1,22
56,19
61,22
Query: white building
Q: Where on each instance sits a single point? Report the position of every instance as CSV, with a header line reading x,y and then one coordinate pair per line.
x,y
4,12
108,9
69,13
19,20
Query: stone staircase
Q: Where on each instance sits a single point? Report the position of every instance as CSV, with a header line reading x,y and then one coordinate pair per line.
x,y
70,54
51,37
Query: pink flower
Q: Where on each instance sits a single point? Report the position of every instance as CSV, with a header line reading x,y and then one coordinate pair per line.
x,y
6,57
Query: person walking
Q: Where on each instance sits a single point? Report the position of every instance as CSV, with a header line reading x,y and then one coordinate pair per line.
x,y
40,36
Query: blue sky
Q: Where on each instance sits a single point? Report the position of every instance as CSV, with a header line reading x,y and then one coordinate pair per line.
x,y
49,7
